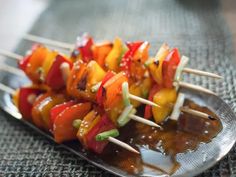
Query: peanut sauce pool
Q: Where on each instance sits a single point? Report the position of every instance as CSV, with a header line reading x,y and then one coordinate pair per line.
x,y
158,148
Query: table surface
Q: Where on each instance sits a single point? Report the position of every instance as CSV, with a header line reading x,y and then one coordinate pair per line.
x,y
18,17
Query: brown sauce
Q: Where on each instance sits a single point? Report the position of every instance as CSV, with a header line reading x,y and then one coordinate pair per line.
x,y
158,148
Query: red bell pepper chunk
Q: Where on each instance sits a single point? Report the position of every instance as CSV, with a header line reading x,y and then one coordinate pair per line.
x,y
24,102
84,45
54,78
99,95
63,129
132,45
169,67
127,58
104,124
148,108
22,64
56,110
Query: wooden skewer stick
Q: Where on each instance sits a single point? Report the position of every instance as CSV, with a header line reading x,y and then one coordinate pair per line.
x,y
11,69
10,54
122,144
194,87
144,121
7,89
201,73
142,100
48,41
196,113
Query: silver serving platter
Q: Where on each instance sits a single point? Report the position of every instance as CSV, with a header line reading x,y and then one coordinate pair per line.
x,y
192,163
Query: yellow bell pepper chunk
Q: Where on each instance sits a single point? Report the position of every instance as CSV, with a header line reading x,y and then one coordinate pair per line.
x,y
89,121
50,58
46,105
96,73
156,66
140,89
112,59
165,98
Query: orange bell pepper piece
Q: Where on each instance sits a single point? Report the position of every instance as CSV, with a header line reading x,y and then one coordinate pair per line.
x,y
63,129
100,51
35,63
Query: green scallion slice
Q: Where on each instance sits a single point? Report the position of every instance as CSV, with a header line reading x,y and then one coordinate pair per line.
x,y
105,135
125,93
124,117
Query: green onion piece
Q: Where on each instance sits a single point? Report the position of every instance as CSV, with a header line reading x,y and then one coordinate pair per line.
x,y
95,87
124,117
125,93
76,123
105,135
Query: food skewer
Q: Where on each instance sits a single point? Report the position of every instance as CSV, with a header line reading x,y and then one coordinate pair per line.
x,y
19,57
110,139
163,49
133,117
174,80
181,83
70,47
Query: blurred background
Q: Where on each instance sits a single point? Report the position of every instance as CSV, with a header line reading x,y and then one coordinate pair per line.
x,y
17,17
203,30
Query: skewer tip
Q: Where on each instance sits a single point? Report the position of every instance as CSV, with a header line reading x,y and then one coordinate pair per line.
x,y
123,145
144,121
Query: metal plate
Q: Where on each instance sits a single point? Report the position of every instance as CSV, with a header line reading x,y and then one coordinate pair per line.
x,y
192,163
197,28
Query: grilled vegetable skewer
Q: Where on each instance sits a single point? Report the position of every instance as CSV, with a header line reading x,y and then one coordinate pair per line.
x,y
137,119
70,47
62,115
51,82
168,61
65,72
